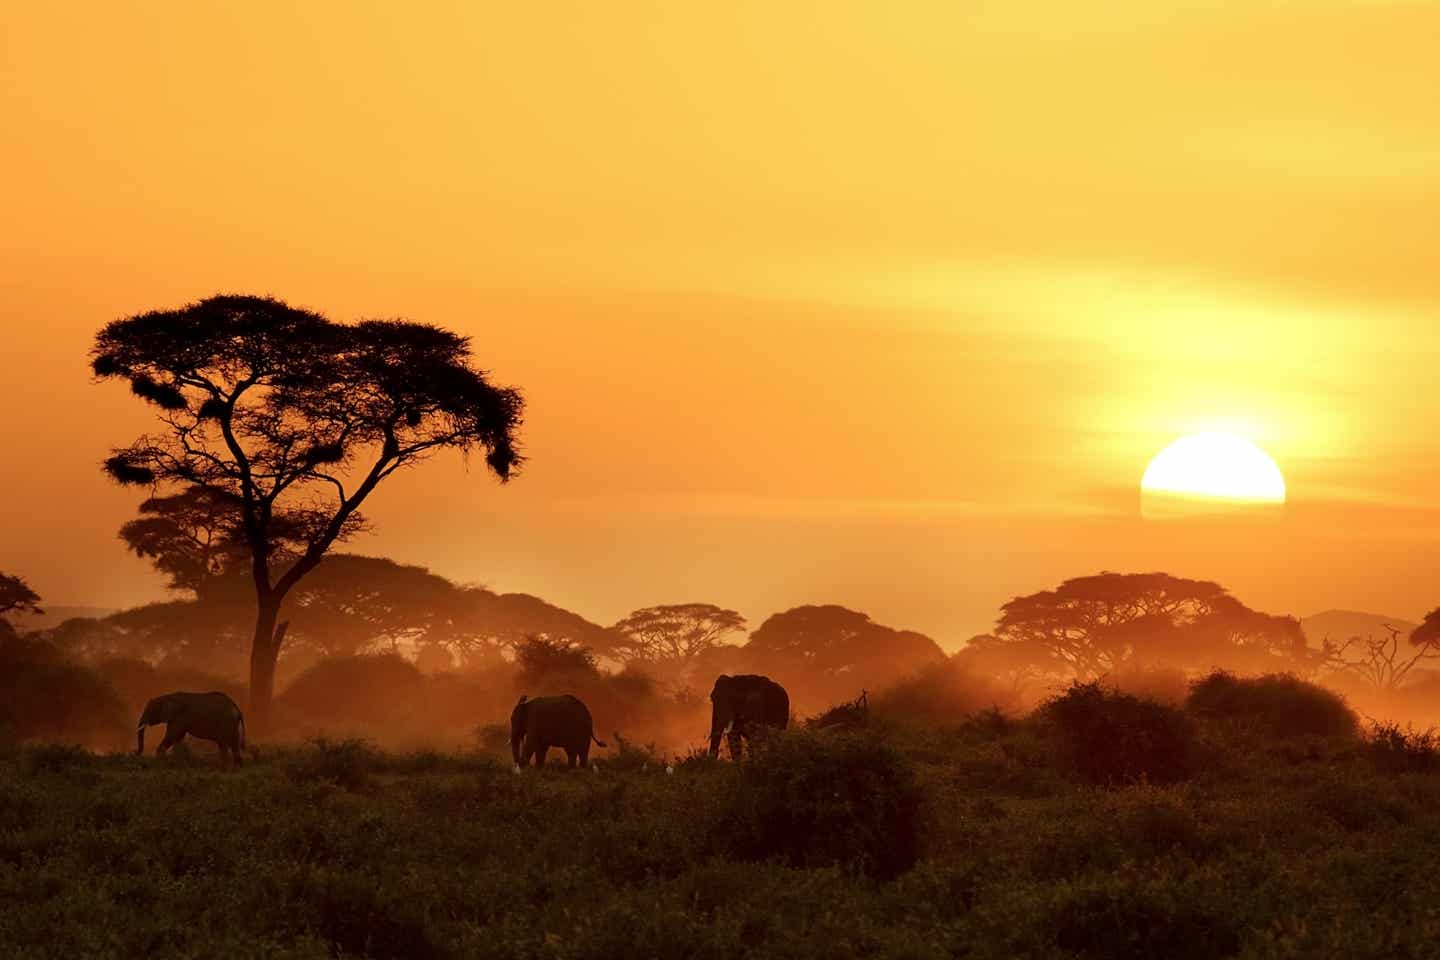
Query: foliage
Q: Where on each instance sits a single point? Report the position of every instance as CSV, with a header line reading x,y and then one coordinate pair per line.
x,y
1278,705
818,800
297,419
671,639
44,697
542,659
446,855
371,688
852,713
1115,738
45,758
1396,750
940,694
818,652
16,596
1091,626
345,763
1381,661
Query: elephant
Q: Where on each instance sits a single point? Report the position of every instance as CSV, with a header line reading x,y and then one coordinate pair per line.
x,y
745,705
208,716
545,722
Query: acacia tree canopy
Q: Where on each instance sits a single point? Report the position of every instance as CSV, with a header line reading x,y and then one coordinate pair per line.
x,y
835,652
16,595
1089,626
672,637
298,418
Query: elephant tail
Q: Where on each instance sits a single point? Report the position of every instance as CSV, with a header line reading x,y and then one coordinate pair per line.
x,y
598,741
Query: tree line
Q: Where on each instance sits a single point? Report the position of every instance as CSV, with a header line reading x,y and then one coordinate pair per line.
x,y
274,424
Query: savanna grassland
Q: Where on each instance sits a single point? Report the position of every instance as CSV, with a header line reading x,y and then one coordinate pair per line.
x,y
1101,826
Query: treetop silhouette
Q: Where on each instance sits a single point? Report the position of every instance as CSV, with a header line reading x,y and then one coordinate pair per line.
x,y
298,418
16,595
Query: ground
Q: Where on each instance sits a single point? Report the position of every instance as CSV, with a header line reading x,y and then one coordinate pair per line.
x,y
1270,850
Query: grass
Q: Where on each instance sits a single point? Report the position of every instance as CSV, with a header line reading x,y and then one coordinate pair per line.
x,y
341,850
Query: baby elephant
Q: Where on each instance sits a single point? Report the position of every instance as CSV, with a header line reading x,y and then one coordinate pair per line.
x,y
208,716
545,722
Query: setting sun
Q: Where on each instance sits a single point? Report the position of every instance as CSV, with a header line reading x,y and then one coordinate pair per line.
x,y
1215,466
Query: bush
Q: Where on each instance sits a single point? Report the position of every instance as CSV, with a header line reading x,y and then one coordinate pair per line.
x,y
365,689
818,800
1165,685
1115,738
346,763
1275,705
44,698
939,694
1394,750
53,758
1123,921
633,756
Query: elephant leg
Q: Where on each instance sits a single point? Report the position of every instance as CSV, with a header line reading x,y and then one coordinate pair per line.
x,y
540,750
733,738
571,757
585,755
172,737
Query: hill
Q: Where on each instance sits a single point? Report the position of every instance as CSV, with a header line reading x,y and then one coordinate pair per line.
x,y
1343,624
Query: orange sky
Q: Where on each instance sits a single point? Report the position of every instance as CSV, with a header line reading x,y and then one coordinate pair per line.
x,y
887,307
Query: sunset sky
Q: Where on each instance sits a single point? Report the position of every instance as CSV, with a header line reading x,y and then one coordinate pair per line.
x,y
886,305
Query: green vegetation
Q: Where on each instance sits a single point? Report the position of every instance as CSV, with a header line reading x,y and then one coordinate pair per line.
x,y
980,840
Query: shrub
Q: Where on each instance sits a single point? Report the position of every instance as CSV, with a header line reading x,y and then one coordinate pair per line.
x,y
817,800
43,697
493,738
346,763
1116,738
633,756
1276,705
1165,685
367,689
853,713
357,918
939,694
1394,750
53,758
1129,921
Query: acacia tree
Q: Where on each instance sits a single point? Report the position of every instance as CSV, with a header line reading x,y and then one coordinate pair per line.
x,y
299,418
672,637
15,594
1089,626
1382,661
189,536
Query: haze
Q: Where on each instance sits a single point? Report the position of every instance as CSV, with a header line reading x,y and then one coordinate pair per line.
x,y
882,307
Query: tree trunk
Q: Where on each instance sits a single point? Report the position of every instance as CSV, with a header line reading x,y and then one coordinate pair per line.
x,y
264,652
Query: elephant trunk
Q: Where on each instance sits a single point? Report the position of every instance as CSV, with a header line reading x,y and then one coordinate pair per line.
x,y
718,723
515,739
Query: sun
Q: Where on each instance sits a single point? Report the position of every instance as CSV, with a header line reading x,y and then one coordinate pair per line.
x,y
1215,468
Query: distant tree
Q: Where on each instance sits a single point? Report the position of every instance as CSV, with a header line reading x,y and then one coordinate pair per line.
x,y
1091,626
352,604
482,625
16,596
825,653
543,657
671,639
297,417
189,536
1014,663
1384,662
